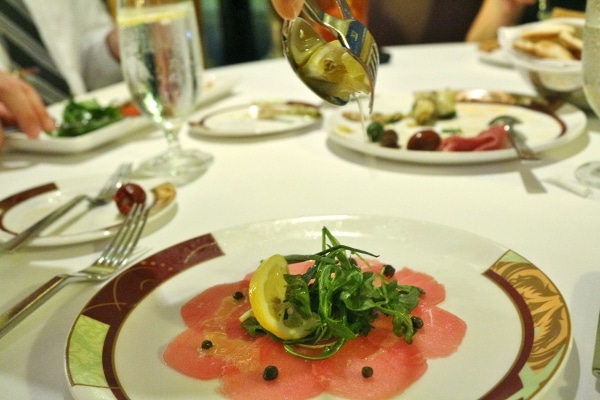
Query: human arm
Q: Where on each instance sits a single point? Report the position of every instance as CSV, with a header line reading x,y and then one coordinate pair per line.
x,y
288,9
21,105
99,47
494,14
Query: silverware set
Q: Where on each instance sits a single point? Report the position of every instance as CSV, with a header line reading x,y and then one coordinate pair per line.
x,y
114,256
103,197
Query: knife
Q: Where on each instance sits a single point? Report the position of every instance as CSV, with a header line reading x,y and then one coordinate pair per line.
x,y
596,361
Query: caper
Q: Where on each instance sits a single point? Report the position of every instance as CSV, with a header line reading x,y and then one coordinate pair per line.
x,y
417,322
270,373
206,344
238,295
388,271
367,372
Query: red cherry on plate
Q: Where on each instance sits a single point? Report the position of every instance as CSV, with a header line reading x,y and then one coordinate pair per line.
x,y
127,195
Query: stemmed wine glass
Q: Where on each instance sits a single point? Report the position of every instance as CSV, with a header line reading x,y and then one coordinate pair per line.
x,y
162,65
589,173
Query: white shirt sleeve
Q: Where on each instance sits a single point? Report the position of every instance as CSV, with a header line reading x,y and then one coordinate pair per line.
x,y
75,31
100,68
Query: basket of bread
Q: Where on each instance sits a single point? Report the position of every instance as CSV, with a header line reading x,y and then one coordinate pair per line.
x,y
548,56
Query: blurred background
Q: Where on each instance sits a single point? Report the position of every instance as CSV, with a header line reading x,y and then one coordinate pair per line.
x,y
235,31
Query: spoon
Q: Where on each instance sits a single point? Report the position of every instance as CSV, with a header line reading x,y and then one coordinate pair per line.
x,y
518,142
300,42
332,70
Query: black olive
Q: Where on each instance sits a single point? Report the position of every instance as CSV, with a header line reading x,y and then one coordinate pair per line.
x,y
238,295
388,271
367,372
427,139
417,322
206,344
389,138
270,373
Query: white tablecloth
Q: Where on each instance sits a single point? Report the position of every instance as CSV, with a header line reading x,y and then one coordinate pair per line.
x,y
299,174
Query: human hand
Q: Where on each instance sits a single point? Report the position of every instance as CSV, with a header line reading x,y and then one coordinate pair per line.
x,y
288,9
21,105
112,41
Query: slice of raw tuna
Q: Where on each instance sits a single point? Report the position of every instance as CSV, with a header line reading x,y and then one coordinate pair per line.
x,y
395,367
442,332
295,380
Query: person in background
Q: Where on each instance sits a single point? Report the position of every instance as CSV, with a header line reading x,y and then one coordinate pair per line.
x,y
497,13
21,105
401,22
288,9
73,40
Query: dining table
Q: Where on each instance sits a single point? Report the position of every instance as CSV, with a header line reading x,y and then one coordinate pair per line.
x,y
537,210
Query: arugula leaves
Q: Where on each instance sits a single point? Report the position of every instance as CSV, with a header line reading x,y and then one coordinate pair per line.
x,y
80,117
341,300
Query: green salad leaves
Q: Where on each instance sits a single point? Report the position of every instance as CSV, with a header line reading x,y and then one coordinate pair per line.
x,y
341,301
80,117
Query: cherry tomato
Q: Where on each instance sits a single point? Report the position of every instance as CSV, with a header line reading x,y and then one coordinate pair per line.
x,y
127,195
424,140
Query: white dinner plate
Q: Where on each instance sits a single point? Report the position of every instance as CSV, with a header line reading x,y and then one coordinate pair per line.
x,y
543,129
249,120
115,94
512,348
23,209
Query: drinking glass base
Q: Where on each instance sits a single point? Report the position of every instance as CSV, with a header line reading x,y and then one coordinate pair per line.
x,y
589,174
177,165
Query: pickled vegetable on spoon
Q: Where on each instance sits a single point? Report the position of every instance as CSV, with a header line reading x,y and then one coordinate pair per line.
x,y
328,68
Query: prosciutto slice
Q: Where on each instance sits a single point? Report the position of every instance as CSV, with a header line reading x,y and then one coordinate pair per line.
x,y
493,138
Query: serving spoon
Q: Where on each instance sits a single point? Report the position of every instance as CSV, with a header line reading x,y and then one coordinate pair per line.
x,y
335,71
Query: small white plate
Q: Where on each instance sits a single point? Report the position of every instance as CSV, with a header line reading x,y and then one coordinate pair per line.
x,y
496,57
213,88
543,129
249,119
21,210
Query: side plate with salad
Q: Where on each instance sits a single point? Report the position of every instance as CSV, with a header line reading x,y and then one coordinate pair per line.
x,y
115,95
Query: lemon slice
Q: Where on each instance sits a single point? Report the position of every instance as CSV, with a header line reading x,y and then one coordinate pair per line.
x,y
266,295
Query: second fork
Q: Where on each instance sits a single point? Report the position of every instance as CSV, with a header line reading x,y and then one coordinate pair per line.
x,y
104,196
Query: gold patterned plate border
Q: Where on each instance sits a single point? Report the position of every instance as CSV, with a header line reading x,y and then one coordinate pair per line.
x,y
538,304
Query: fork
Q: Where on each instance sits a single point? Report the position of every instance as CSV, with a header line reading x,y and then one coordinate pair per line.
x,y
352,34
524,152
114,256
104,196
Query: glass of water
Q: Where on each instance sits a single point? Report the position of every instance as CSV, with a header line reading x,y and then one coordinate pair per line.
x,y
162,65
589,173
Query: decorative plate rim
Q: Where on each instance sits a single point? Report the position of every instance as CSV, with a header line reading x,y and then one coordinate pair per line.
x,y
537,365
